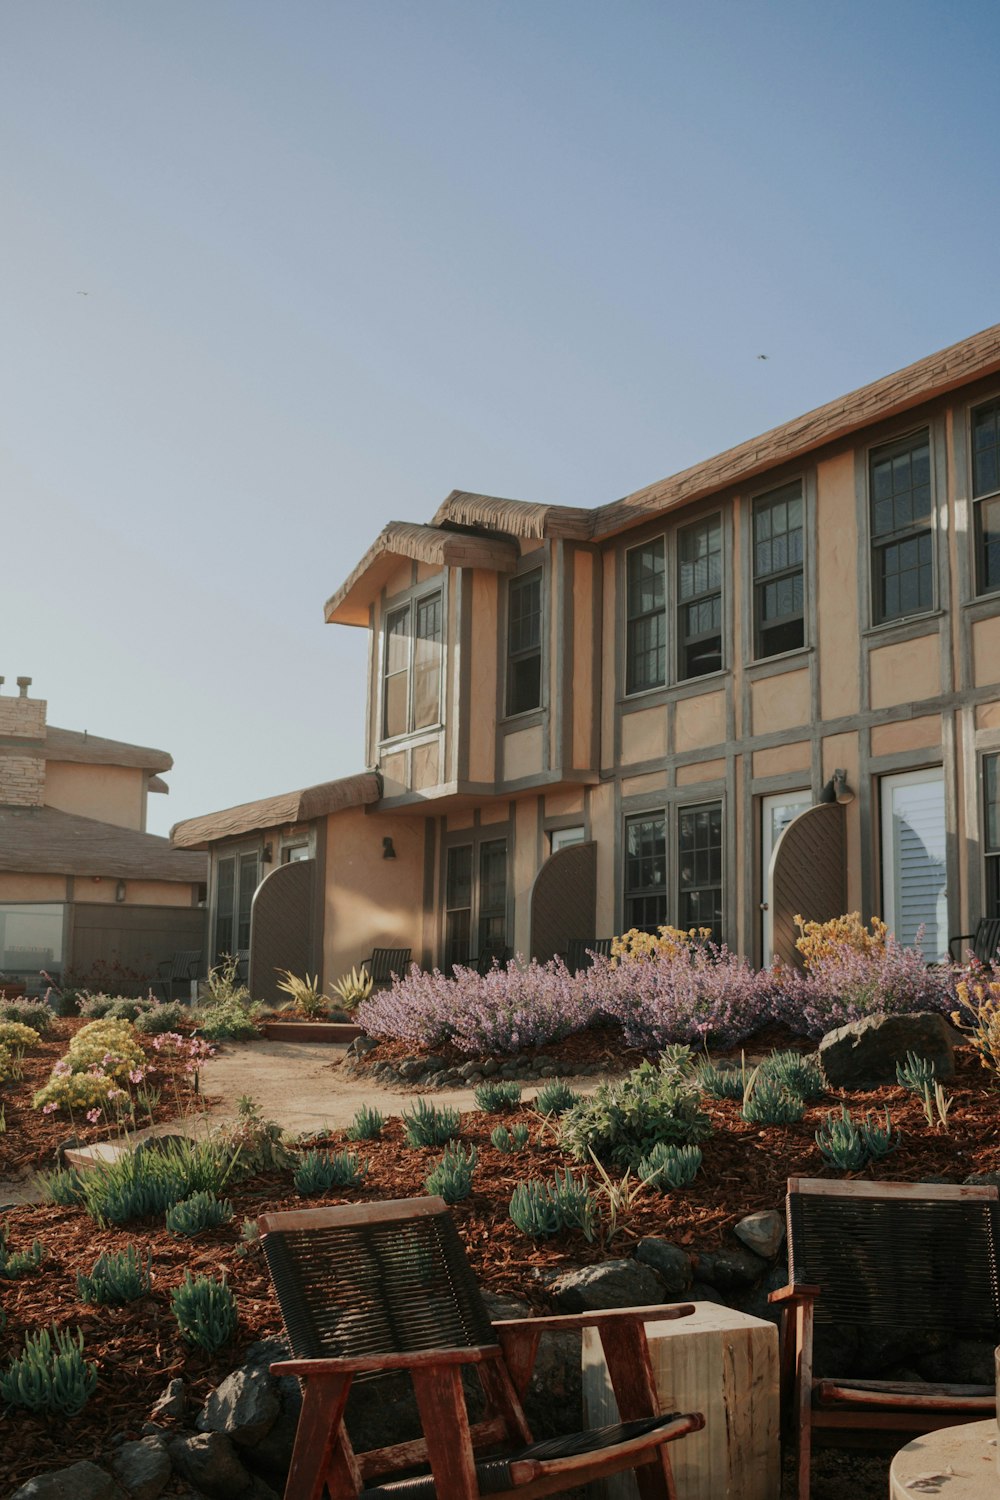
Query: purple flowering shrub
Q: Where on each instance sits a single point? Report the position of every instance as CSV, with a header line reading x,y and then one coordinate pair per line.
x,y
845,985
696,993
520,1005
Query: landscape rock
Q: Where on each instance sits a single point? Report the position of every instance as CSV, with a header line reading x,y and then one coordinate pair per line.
x,y
171,1403
614,1283
966,1361
864,1054
730,1270
245,1406
670,1262
83,1481
702,1292
763,1233
210,1463
411,1067
143,1468
553,1401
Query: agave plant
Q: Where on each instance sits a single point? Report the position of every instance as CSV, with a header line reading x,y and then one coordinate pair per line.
x,y
354,987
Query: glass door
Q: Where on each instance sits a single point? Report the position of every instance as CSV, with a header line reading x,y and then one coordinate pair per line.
x,y
776,814
914,870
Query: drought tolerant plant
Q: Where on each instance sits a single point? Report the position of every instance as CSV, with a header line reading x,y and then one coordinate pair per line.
x,y
252,1143
306,994
721,1083
797,1073
916,1073
850,1145
63,1186
623,1120
367,1125
427,1124
497,1096
73,1091
667,942
766,1101
353,987
199,1212
556,1098
116,1279
545,1208
8,1070
519,1137
14,1266
249,1237
510,1140
227,1013
205,1311
670,1166
161,1016
320,1171
147,1181
979,1016
15,1035
33,1013
110,1045
51,1375
451,1179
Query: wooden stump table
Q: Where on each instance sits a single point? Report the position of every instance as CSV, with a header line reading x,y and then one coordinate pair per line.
x,y
957,1463
722,1363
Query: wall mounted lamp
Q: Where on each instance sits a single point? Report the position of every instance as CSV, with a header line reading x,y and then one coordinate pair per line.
x,y
388,852
836,789
120,891
266,854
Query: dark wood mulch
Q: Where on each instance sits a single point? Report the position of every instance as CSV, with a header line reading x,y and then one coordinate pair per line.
x,y
138,1347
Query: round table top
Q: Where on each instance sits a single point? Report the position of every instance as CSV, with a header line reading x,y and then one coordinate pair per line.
x,y
959,1463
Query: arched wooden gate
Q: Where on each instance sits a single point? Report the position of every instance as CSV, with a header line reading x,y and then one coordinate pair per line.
x,y
282,927
564,900
808,875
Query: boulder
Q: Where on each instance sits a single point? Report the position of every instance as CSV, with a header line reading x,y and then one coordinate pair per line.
x,y
83,1481
245,1406
143,1468
763,1233
613,1283
864,1054
210,1463
171,1403
671,1264
730,1270
553,1401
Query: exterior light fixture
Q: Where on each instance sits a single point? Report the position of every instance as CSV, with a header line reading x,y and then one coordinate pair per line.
x,y
120,891
388,852
836,789
266,854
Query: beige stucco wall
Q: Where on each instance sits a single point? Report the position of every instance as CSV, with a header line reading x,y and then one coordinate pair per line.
x,y
102,891
838,606
906,734
370,901
33,888
644,736
906,672
111,794
483,678
988,716
779,760
705,770
700,721
986,651
564,803
780,702
522,753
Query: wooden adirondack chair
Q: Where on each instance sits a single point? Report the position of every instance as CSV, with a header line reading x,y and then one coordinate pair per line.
x,y
375,1288
383,963
179,969
580,952
985,941
885,1256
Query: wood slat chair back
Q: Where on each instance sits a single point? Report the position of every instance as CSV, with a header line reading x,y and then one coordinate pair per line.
x,y
580,952
178,969
386,962
381,1284
985,941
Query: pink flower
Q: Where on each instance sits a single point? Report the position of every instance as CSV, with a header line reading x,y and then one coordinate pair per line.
x,y
93,1115
117,1094
137,1075
48,1108
61,1069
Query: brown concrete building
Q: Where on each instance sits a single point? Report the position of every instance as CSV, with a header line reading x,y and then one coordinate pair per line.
x,y
585,720
81,881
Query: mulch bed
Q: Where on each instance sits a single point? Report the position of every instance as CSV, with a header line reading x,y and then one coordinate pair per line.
x,y
138,1347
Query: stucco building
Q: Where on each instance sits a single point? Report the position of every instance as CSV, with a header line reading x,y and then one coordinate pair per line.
x,y
585,720
81,881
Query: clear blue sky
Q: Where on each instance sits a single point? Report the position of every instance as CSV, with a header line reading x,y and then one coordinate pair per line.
x,y
341,257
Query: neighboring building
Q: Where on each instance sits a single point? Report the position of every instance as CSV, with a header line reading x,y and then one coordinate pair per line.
x,y
81,881
586,720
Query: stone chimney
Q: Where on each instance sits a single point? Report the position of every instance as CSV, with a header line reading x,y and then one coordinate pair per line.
x,y
22,740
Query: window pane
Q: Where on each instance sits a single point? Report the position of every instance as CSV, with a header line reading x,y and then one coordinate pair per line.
x,y
458,884
699,868
986,449
225,900
989,544
524,635
395,704
902,563
646,626
396,688
699,578
397,641
493,895
247,885
524,685
31,937
645,872
456,937
427,663
991,795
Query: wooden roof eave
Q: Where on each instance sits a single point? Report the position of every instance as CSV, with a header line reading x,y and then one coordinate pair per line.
x,y
428,544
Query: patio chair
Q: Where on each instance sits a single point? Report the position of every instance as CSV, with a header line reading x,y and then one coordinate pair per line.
x,y
383,963
580,952
378,1288
885,1257
985,940
490,954
179,968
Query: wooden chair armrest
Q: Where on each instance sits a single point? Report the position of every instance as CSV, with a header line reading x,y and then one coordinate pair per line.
x,y
961,937
559,1322
415,1359
795,1292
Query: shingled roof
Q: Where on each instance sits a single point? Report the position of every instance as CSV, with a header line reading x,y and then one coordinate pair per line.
x,y
45,841
278,812
92,750
431,544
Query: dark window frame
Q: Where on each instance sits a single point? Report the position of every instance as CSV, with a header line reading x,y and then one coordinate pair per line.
x,y
695,855
231,929
523,656
763,580
485,920
991,837
688,641
883,541
411,610
637,620
985,498
645,902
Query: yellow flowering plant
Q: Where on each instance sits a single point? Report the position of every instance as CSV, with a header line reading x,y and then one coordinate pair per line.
x,y
979,1018
69,1091
821,940
6,1065
15,1035
113,1045
667,942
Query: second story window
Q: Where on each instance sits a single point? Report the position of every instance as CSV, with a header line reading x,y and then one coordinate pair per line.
x,y
524,643
646,620
699,592
986,492
411,688
778,581
902,541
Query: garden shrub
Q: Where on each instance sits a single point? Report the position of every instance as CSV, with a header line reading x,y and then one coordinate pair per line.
x,y
693,992
766,1101
116,1278
14,1034
229,1020
850,1144
451,1179
799,1074
623,1120
367,1125
8,1065
51,1376
496,1096
74,1091
721,1083
15,1264
63,1186
33,1013
161,1016
429,1124
510,1140
353,987
197,1213
320,1171
205,1311
556,1098
979,1015
148,1181
670,1166
545,1208
110,1044
917,1074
